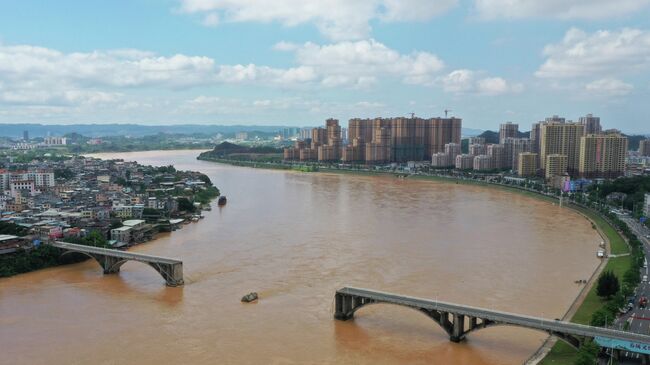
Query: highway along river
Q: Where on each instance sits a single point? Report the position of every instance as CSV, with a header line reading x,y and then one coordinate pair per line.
x,y
295,238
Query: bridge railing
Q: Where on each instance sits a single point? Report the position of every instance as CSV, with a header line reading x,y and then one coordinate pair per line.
x,y
496,316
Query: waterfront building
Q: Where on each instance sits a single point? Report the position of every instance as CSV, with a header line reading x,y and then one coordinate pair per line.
x,y
555,165
441,160
591,123
477,149
514,147
464,162
497,154
602,155
482,163
452,150
527,164
644,147
383,140
560,138
476,140
508,130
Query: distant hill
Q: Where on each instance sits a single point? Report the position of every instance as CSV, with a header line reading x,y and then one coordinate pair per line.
x,y
227,148
134,130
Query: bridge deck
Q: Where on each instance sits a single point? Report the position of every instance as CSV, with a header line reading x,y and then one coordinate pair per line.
x,y
115,253
497,316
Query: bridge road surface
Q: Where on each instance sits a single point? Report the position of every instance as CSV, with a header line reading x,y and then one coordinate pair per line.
x,y
639,318
497,316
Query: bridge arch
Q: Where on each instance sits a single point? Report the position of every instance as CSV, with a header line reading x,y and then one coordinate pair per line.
x,y
433,315
572,341
111,261
448,325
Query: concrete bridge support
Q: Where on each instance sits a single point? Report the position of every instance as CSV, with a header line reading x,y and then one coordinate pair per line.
x,y
459,320
111,261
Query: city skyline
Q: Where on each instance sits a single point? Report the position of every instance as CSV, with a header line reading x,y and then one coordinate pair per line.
x,y
237,62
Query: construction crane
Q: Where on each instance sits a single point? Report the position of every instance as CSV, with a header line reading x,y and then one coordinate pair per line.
x,y
412,115
446,112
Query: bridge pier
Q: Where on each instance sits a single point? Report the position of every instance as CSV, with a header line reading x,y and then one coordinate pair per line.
x,y
111,261
458,332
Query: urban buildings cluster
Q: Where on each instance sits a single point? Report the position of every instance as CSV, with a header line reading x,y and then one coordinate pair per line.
x,y
555,149
377,141
126,202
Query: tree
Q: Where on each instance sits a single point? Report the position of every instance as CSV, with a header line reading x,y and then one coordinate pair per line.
x,y
588,353
185,204
608,285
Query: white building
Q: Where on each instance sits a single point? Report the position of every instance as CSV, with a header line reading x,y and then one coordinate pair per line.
x,y
121,234
646,206
55,141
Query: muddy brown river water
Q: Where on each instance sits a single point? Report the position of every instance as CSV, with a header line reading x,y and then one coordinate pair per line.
x,y
295,238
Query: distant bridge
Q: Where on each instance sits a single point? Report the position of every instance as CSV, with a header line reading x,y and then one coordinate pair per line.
x,y
459,320
111,260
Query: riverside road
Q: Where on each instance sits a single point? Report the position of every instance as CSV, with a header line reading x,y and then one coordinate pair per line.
x,y
638,318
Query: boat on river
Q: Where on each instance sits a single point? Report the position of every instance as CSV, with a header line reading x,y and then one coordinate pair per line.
x,y
222,200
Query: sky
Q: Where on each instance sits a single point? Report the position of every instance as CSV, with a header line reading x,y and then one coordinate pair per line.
x,y
298,62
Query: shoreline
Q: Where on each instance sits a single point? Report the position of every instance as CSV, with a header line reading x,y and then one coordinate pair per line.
x,y
541,355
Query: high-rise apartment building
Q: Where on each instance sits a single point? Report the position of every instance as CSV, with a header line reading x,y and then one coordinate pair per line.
x,y
559,138
383,140
602,155
591,123
482,163
644,147
555,165
452,150
527,164
497,154
25,136
464,162
440,160
646,205
477,149
508,130
513,147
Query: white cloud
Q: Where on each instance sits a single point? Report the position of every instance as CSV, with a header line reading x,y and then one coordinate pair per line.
x,y
560,9
336,19
602,53
211,20
465,81
362,62
608,87
39,75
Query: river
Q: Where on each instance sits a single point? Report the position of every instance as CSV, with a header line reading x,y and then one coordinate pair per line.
x,y
295,238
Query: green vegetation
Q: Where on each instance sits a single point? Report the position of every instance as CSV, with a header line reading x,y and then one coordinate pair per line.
x,y
185,205
23,261
93,238
12,229
160,141
634,187
42,256
204,196
607,285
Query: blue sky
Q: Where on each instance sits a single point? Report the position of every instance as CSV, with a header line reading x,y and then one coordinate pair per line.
x,y
295,62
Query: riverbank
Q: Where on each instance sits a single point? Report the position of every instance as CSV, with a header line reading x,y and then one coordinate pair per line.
x,y
586,303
